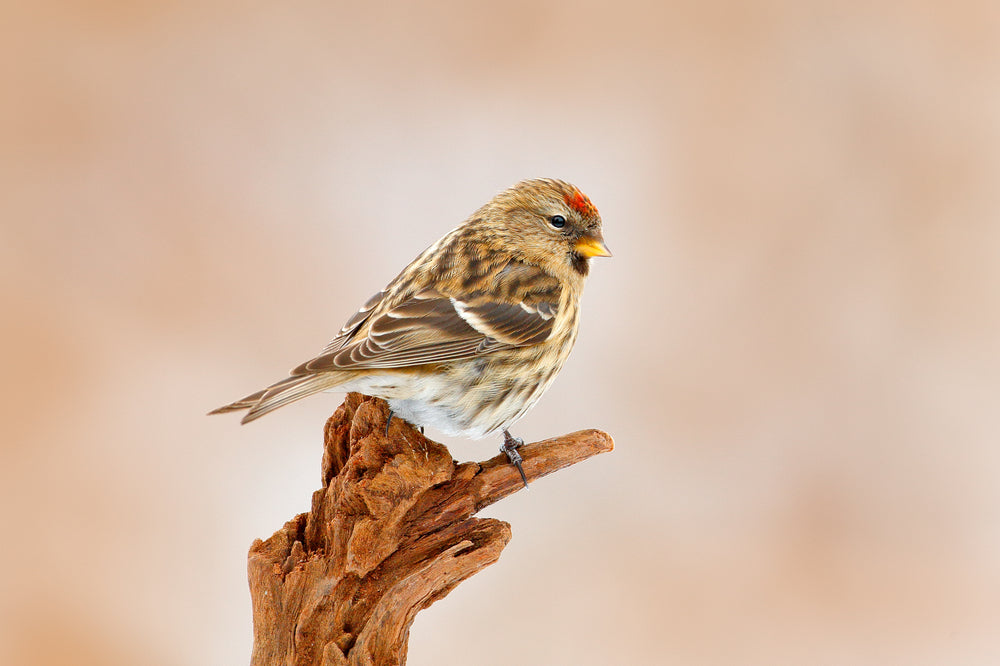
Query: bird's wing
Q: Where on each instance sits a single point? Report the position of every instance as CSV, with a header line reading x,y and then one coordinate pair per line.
x,y
431,326
356,321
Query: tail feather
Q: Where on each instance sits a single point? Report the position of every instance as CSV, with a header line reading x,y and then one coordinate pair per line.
x,y
243,403
278,395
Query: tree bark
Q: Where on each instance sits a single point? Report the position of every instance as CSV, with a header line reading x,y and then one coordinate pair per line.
x,y
390,532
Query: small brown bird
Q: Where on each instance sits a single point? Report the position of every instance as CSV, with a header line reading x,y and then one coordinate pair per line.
x,y
470,335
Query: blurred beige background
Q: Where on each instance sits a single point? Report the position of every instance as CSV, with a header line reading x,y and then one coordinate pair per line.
x,y
795,345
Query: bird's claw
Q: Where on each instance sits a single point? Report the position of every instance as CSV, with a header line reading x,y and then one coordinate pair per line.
x,y
510,446
388,422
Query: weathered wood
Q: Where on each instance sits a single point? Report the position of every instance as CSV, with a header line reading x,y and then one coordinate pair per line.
x,y
390,532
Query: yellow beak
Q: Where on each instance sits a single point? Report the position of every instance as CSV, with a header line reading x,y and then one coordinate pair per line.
x,y
592,246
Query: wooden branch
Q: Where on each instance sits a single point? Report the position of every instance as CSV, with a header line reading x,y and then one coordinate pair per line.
x,y
390,532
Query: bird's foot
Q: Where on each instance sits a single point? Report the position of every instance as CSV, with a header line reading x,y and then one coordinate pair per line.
x,y
510,446
388,422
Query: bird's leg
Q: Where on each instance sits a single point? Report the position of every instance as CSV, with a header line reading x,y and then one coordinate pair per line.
x,y
509,446
388,422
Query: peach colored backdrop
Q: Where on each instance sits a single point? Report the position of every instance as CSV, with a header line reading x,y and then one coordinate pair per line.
x,y
796,345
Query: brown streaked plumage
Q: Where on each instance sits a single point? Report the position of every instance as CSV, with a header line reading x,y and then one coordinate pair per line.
x,y
470,334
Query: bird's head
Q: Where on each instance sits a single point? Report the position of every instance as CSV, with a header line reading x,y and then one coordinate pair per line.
x,y
549,223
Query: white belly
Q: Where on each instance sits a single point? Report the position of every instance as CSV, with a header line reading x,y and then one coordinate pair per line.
x,y
433,401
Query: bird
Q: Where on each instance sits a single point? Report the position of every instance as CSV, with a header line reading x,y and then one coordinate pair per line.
x,y
473,331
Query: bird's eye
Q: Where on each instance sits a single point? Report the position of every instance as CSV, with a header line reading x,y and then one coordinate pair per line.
x,y
557,221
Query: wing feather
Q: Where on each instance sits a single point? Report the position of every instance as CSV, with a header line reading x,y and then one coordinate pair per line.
x,y
432,326
356,321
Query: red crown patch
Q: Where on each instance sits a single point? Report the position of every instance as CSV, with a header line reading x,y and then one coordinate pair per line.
x,y
579,202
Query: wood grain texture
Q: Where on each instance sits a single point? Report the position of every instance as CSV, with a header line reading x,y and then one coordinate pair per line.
x,y
390,532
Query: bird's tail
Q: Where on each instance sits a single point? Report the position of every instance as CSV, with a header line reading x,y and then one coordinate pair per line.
x,y
277,395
